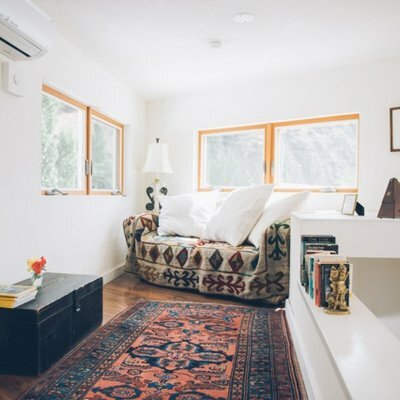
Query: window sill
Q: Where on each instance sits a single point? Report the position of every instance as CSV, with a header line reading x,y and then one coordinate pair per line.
x,y
287,190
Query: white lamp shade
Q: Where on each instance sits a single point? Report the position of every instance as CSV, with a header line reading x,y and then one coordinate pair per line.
x,y
157,160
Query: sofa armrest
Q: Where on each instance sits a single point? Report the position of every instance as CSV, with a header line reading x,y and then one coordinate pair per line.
x,y
277,256
277,240
134,228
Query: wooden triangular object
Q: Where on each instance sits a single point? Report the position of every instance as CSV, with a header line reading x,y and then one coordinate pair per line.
x,y
390,207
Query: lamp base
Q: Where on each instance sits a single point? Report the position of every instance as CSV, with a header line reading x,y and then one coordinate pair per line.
x,y
154,191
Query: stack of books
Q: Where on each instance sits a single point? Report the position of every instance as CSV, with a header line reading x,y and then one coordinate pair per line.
x,y
319,254
315,244
12,296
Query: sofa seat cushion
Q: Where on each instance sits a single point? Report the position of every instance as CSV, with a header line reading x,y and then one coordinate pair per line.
x,y
196,254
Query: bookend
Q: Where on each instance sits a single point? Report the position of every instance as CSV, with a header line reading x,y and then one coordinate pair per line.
x,y
390,207
360,210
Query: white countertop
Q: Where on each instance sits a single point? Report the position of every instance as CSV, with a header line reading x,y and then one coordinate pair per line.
x,y
336,215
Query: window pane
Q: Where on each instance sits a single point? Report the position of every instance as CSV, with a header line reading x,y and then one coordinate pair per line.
x,y
105,156
63,147
233,159
317,155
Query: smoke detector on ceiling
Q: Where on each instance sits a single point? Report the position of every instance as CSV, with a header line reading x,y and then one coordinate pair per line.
x,y
244,18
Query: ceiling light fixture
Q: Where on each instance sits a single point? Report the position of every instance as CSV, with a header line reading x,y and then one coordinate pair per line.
x,y
214,43
244,18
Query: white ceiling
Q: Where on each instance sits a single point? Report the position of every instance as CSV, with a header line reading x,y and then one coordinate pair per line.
x,y
158,46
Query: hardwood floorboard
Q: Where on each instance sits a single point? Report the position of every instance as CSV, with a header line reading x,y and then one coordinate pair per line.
x,y
117,295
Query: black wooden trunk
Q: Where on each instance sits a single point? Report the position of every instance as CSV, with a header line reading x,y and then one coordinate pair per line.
x,y
37,334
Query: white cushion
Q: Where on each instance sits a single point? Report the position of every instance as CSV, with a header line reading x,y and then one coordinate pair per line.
x,y
237,215
186,214
277,210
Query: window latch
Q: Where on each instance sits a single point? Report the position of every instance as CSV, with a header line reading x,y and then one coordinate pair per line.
x,y
117,193
55,191
88,167
272,168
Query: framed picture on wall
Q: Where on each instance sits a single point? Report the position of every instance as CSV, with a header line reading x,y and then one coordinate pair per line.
x,y
395,129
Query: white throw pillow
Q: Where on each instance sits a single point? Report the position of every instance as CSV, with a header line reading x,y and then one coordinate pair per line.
x,y
237,215
277,210
186,214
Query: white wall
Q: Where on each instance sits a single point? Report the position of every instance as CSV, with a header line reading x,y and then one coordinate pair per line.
x,y
370,89
81,234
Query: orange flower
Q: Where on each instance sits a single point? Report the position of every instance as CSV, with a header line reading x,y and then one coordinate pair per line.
x,y
36,265
43,261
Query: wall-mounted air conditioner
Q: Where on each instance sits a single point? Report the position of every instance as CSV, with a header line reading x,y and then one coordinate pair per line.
x,y
26,32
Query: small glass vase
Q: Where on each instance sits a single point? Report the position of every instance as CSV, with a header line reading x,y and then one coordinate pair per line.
x,y
37,280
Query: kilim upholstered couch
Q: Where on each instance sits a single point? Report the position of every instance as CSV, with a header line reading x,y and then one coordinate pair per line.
x,y
210,267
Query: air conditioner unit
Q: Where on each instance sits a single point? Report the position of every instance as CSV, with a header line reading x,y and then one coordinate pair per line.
x,y
26,32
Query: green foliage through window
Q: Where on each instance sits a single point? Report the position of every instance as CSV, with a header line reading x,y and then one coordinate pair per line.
x,y
64,147
104,156
62,134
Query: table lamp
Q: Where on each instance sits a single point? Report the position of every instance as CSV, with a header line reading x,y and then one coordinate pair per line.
x,y
157,162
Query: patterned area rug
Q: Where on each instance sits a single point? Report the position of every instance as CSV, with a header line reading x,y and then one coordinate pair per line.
x,y
180,351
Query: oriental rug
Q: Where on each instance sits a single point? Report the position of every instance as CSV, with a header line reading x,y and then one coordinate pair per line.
x,y
180,351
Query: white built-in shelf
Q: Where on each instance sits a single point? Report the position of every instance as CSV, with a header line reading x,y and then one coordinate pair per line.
x,y
335,215
349,356
365,353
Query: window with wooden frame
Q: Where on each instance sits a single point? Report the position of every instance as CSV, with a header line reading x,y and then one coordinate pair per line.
x,y
309,154
82,149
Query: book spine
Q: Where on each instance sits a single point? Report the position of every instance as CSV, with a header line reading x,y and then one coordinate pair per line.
x,y
318,239
306,275
332,247
317,284
302,247
311,278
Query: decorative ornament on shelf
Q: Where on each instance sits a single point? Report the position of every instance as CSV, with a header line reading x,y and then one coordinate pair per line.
x,y
36,266
157,161
390,207
337,297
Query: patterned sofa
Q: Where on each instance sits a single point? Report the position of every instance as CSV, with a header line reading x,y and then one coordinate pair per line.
x,y
210,267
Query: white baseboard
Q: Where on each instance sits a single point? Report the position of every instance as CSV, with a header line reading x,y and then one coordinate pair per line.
x,y
112,274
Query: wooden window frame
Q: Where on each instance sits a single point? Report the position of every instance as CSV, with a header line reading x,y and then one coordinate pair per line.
x,y
120,127
89,113
68,100
269,149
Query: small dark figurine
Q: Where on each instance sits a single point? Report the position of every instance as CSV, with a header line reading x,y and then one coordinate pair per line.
x,y
390,207
360,210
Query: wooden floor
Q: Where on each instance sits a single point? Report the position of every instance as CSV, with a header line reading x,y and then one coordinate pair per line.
x,y
118,295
